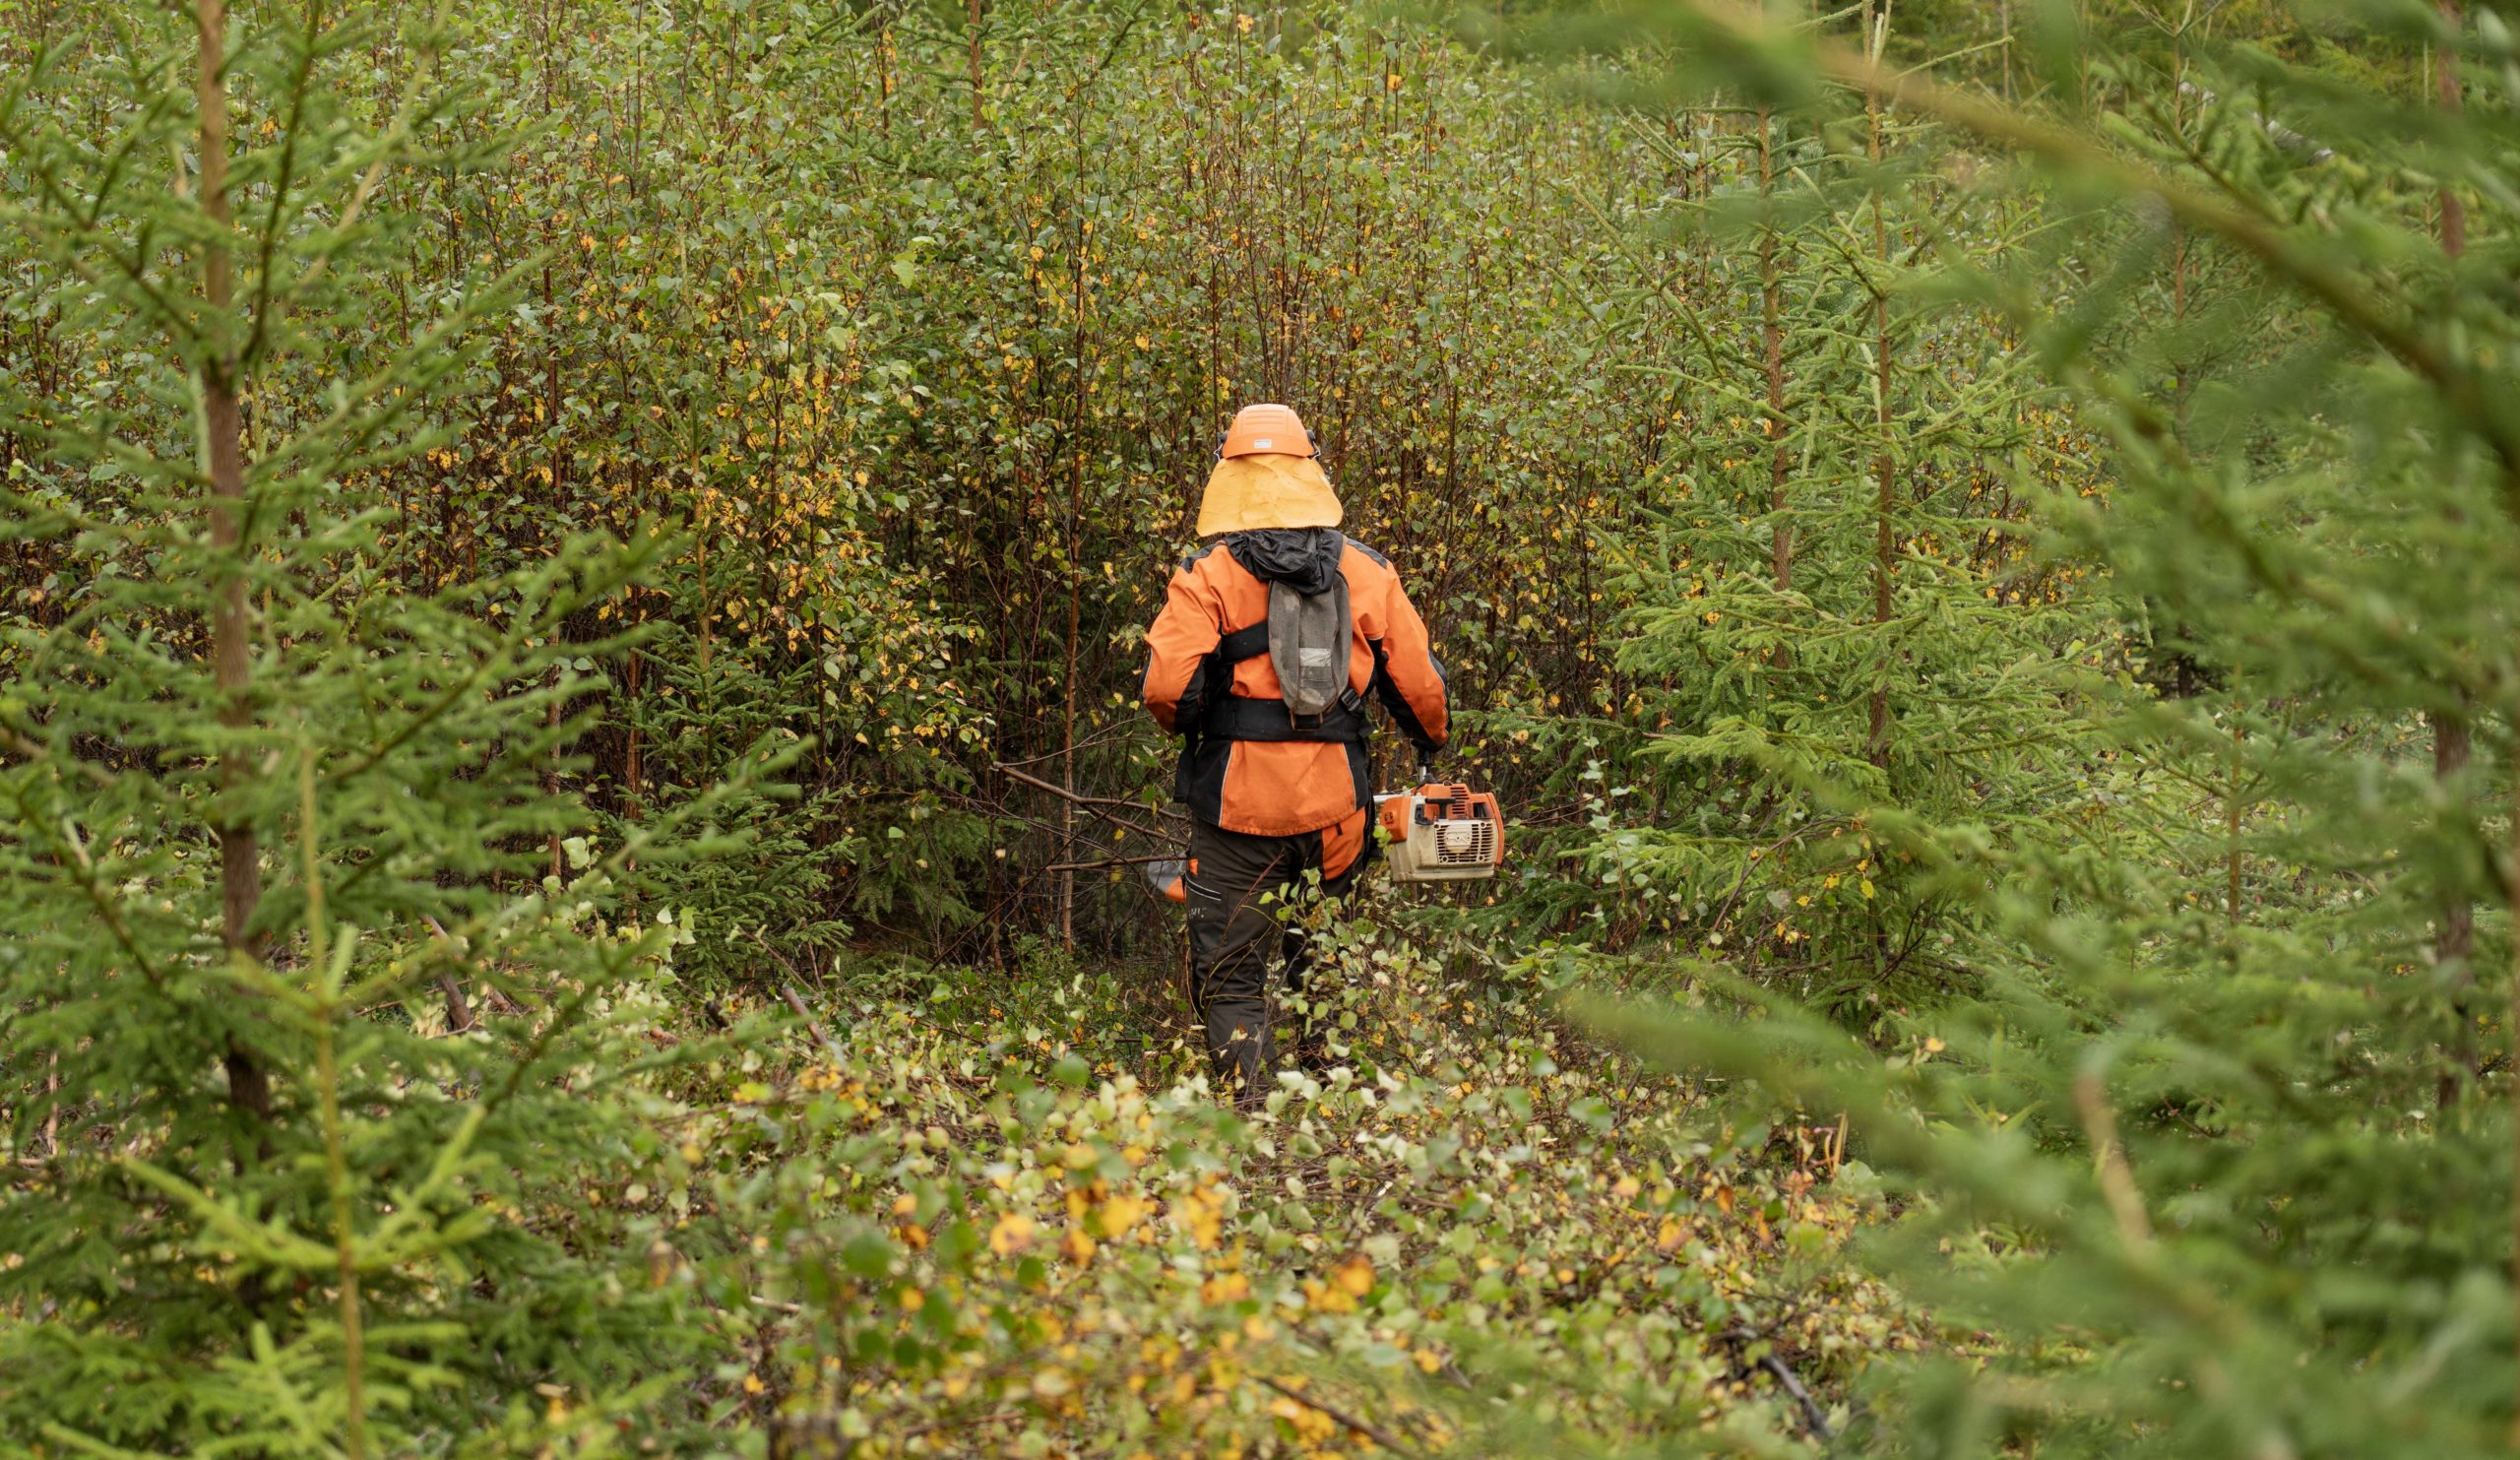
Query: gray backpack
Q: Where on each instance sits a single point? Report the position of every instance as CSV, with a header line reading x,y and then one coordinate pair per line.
x,y
1308,646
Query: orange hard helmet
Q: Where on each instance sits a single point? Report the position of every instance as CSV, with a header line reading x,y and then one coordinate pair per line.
x,y
1265,429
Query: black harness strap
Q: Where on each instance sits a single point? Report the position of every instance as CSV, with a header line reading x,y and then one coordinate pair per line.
x,y
1249,642
1236,717
1233,716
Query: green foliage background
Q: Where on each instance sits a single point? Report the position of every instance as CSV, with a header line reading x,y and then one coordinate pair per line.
x,y
1974,551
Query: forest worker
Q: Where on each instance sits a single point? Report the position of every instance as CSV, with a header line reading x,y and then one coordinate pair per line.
x,y
1244,665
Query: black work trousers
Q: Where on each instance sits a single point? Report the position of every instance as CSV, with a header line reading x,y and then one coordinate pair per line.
x,y
1244,897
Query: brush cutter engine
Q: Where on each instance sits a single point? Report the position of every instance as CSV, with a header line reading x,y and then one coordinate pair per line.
x,y
1441,833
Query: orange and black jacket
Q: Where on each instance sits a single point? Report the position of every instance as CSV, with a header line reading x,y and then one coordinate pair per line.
x,y
1246,765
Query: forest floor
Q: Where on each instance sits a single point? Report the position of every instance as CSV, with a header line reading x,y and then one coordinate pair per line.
x,y
1480,1230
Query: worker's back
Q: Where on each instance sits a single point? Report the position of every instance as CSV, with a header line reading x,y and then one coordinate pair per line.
x,y
1257,767
1274,765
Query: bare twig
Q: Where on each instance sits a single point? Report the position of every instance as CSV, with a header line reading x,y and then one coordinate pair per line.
x,y
1102,737
1093,805
1063,793
788,991
1366,1427
459,1013
1723,914
1814,1417
1111,861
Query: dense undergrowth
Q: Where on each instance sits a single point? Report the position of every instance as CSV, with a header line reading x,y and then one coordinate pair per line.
x,y
560,559
1009,1216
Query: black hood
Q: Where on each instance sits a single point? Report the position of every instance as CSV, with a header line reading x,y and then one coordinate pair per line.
x,y
1306,559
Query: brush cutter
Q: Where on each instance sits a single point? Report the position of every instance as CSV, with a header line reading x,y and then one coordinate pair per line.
x,y
1439,832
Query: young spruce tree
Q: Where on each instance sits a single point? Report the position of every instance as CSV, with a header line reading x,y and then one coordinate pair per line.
x,y
306,1056
2219,1161
1843,654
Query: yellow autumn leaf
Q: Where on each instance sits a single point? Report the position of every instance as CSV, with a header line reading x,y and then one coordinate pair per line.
x,y
1012,1234
1116,1216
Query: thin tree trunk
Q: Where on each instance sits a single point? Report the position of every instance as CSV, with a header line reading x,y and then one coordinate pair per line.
x,y
2455,939
1884,540
2445,81
551,780
1771,332
638,106
980,118
555,463
240,874
2003,19
2511,1021
1075,583
2182,387
1077,518
632,769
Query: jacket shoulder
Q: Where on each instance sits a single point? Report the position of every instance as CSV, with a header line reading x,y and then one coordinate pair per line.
x,y
1370,572
1369,555
1225,584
